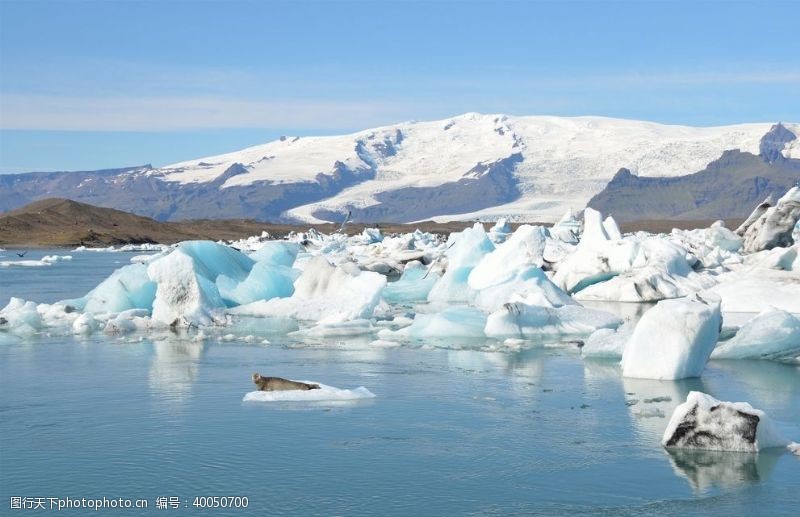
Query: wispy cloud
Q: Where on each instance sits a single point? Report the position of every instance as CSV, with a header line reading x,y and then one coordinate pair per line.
x,y
32,112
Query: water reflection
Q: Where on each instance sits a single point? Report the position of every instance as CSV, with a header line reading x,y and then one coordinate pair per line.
x,y
173,368
768,383
707,469
651,404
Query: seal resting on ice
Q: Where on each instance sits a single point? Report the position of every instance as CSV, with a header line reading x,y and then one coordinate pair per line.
x,y
279,384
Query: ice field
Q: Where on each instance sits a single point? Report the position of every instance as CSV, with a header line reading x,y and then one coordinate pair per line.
x,y
523,368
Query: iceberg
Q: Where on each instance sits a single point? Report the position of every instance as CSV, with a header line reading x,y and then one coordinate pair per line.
x,y
521,319
414,284
673,340
129,287
325,294
20,317
608,343
325,393
465,250
463,322
773,334
703,422
606,266
198,280
280,253
514,268
774,227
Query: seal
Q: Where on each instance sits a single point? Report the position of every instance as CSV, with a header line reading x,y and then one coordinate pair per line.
x,y
279,384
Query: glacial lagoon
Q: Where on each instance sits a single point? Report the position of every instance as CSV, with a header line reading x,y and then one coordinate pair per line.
x,y
456,427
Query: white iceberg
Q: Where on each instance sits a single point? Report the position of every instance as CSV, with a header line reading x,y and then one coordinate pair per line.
x,y
414,285
462,322
608,343
775,226
521,319
465,250
128,287
703,422
325,294
773,334
325,393
673,340
47,260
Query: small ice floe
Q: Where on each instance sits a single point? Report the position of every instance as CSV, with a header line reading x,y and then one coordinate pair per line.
x,y
703,422
673,340
773,334
608,343
324,393
47,260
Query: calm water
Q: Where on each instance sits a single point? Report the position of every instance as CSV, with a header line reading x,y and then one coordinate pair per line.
x,y
450,432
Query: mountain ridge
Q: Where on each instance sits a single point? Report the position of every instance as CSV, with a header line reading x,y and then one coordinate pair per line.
x,y
466,167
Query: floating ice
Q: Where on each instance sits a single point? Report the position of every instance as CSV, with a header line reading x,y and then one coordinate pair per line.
x,y
520,319
567,229
703,422
673,340
774,227
128,287
324,393
414,285
608,343
280,253
20,317
451,322
773,334
465,250
47,260
326,294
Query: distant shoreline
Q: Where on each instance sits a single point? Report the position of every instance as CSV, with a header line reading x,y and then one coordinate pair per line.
x,y
60,223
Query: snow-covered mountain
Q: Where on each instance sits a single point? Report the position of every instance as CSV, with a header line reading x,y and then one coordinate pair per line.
x,y
474,165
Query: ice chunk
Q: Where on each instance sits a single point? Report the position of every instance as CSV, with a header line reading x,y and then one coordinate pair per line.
x,y
523,249
513,268
414,285
324,393
128,287
754,216
326,294
611,228
629,271
775,226
281,253
530,283
773,334
673,340
500,231
520,319
337,329
594,233
47,260
85,324
186,291
266,280
703,422
608,343
466,249
21,317
567,229
128,321
451,322
753,290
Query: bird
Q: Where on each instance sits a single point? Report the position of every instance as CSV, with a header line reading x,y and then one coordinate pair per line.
x,y
20,255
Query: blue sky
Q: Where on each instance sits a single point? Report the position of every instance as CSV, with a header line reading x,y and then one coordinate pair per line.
x,y
87,84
